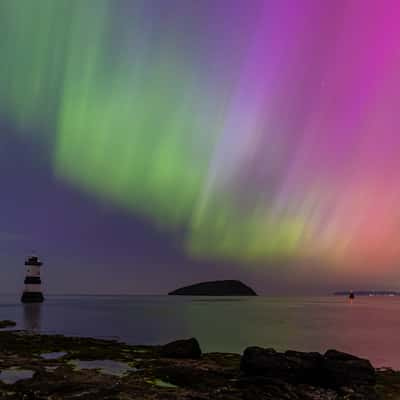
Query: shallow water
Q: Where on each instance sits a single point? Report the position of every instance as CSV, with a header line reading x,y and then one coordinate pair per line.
x,y
370,327
53,356
109,367
11,376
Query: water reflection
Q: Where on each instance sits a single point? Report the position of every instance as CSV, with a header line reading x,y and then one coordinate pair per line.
x,y
32,316
13,375
109,367
369,328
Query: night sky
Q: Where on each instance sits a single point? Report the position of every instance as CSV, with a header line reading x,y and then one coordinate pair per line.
x,y
148,144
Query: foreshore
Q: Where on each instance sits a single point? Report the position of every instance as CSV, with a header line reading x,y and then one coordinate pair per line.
x,y
57,367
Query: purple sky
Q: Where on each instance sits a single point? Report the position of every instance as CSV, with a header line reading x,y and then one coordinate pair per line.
x,y
146,145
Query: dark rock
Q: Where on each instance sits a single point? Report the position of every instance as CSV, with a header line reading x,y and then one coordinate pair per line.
x,y
358,393
341,369
339,356
307,366
187,376
388,383
257,361
258,387
216,288
293,367
189,348
7,324
333,370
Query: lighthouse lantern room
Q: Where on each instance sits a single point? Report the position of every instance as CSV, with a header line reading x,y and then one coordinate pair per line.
x,y
32,292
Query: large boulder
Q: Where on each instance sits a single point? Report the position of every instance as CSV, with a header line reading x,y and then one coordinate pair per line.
x,y
292,366
333,370
189,348
307,366
342,369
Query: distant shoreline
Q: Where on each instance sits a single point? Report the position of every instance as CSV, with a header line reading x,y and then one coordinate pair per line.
x,y
368,293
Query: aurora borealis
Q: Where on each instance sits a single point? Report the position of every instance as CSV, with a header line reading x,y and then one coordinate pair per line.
x,y
264,130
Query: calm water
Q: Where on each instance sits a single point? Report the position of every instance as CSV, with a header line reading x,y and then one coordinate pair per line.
x,y
370,327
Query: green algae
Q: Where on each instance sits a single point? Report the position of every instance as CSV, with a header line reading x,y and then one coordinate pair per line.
x,y
162,384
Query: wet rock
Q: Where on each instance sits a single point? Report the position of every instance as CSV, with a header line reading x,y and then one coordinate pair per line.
x,y
189,348
358,393
339,356
182,376
191,376
292,366
258,361
342,369
334,370
388,383
7,324
258,387
306,366
266,389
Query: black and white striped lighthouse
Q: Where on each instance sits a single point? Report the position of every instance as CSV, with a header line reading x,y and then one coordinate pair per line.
x,y
32,292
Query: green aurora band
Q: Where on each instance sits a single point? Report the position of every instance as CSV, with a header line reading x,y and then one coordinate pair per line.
x,y
136,125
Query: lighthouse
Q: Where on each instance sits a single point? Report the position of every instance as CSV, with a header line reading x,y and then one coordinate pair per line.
x,y
32,292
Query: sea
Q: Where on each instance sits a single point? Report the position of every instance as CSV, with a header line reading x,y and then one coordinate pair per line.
x,y
368,328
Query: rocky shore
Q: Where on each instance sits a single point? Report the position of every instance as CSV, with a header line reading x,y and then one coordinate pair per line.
x,y
58,367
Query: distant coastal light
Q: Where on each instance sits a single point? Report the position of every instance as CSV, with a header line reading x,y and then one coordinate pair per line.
x,y
368,293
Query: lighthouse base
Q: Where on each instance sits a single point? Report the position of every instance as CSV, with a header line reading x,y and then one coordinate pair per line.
x,y
32,297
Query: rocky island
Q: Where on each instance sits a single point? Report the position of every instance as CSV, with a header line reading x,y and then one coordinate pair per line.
x,y
57,367
215,288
